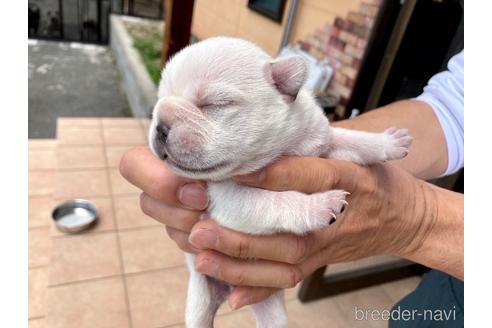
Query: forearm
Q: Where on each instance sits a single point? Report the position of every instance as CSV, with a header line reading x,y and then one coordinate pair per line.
x,y
428,156
439,239
435,226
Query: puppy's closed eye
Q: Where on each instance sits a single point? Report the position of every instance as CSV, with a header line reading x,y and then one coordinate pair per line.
x,y
216,104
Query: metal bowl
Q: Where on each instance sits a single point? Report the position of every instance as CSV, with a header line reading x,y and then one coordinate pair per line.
x,y
75,215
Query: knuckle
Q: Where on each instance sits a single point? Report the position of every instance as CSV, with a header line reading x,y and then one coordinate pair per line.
x,y
239,278
158,185
171,232
180,239
277,175
331,176
242,250
124,166
145,204
294,276
300,250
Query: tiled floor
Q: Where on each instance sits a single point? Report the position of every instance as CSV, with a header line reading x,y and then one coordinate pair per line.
x,y
42,168
125,271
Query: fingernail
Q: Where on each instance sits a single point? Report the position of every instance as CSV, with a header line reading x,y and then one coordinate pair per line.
x,y
193,195
207,266
204,238
204,216
252,177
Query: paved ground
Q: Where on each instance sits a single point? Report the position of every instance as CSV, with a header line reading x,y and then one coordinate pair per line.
x,y
71,80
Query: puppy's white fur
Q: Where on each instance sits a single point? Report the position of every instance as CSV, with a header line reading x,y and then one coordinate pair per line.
x,y
229,109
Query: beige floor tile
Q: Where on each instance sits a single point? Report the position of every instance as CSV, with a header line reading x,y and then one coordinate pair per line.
x,y
105,221
38,286
42,159
42,144
145,122
83,183
81,157
79,136
123,136
396,290
78,122
149,249
84,257
37,323
291,293
41,183
115,153
237,319
129,215
120,122
317,314
224,309
39,247
40,208
119,186
157,298
145,126
92,304
372,298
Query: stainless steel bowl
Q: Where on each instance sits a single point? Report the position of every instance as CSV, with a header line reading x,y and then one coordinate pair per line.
x,y
75,215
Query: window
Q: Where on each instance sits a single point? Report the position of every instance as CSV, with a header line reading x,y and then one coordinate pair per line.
x,y
272,9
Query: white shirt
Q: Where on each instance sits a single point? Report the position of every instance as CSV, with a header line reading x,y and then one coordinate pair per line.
x,y
445,94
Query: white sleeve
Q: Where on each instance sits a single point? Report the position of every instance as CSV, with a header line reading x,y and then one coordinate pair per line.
x,y
445,94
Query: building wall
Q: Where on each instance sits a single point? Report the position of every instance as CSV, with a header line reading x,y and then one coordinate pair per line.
x,y
234,18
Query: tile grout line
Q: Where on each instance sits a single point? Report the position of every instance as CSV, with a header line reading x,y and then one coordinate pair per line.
x,y
34,267
131,229
39,227
42,170
101,145
52,195
115,222
70,169
122,275
69,197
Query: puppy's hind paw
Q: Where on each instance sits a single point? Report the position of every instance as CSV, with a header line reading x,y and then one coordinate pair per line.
x,y
398,143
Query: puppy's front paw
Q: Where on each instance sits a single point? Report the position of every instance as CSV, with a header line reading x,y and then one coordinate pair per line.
x,y
329,205
398,142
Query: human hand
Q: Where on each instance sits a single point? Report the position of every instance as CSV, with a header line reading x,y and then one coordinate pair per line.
x,y
174,201
386,215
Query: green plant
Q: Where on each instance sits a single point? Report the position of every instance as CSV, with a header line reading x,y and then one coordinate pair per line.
x,y
150,50
147,39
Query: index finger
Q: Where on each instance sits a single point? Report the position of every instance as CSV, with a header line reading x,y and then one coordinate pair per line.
x,y
305,174
141,168
287,248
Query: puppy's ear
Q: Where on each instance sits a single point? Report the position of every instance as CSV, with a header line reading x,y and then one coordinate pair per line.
x,y
288,74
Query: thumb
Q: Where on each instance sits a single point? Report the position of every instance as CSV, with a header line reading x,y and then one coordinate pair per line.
x,y
305,174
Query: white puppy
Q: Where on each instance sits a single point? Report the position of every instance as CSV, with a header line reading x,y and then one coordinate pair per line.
x,y
226,108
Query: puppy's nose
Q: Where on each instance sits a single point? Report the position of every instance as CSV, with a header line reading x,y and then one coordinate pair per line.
x,y
159,142
161,133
